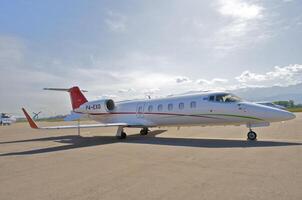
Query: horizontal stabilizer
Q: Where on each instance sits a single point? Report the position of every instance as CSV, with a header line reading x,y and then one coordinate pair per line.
x,y
84,126
61,89
76,96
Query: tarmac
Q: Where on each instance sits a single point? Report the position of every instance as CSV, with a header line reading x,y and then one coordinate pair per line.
x,y
189,163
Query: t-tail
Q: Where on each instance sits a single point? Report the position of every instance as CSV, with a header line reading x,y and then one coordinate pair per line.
x,y
76,95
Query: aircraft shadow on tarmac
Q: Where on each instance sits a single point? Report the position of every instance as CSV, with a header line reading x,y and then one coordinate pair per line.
x,y
74,142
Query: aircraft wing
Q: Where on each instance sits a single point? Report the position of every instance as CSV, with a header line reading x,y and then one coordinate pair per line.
x,y
34,125
73,116
82,126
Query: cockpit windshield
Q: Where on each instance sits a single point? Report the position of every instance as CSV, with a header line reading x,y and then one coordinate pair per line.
x,y
225,97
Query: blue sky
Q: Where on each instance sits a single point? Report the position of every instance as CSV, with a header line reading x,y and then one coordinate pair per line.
x,y
125,49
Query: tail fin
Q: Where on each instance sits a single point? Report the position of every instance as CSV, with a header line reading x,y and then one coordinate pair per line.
x,y
76,96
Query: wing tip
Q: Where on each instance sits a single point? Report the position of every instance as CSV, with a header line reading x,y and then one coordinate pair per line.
x,y
31,122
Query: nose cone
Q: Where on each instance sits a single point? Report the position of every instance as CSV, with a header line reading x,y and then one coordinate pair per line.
x,y
267,113
288,115
280,115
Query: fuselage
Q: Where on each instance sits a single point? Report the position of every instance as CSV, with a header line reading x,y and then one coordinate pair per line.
x,y
210,108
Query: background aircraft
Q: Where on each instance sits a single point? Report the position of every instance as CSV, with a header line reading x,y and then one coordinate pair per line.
x,y
208,108
7,119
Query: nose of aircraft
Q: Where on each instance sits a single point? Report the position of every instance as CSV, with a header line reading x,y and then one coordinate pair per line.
x,y
279,115
288,115
267,113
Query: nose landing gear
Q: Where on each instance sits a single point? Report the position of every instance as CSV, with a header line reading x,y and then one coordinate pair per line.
x,y
251,135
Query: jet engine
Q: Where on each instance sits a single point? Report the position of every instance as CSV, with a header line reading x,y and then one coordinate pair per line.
x,y
99,106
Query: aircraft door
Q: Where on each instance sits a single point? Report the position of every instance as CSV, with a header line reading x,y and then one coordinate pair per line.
x,y
140,110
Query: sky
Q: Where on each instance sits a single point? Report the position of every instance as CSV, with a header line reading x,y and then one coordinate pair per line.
x,y
132,48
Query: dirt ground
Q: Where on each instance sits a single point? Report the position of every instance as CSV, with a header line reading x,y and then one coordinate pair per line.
x,y
190,163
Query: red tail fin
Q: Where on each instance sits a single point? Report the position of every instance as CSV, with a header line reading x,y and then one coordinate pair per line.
x,y
76,96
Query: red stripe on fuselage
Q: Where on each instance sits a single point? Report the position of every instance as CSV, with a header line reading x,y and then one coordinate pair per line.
x,y
135,113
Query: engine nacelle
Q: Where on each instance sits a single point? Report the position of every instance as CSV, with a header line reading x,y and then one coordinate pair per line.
x,y
99,106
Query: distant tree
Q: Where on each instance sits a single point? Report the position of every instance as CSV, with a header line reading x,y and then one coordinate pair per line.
x,y
291,103
287,104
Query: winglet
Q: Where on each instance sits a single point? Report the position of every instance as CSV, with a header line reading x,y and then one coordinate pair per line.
x,y
29,119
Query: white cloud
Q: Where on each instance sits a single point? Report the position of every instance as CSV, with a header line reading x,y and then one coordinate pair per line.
x,y
12,51
249,76
182,79
116,22
286,75
126,90
244,25
211,82
151,91
240,9
106,96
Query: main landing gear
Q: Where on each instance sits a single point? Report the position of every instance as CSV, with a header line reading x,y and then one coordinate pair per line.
x,y
120,134
144,131
123,135
251,135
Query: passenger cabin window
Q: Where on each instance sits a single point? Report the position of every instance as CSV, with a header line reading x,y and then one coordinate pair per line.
x,y
140,109
170,106
193,104
160,107
150,108
181,106
212,98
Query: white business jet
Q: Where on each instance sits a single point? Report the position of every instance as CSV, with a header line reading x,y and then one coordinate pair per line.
x,y
209,108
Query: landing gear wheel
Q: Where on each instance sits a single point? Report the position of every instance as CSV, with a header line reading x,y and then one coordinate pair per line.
x,y
144,131
122,136
251,135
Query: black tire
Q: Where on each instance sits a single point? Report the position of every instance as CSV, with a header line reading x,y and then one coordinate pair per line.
x,y
144,131
251,135
122,136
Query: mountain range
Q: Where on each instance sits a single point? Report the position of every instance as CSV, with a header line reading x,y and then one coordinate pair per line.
x,y
275,93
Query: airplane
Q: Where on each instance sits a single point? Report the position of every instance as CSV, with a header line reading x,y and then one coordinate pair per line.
x,y
7,119
206,108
